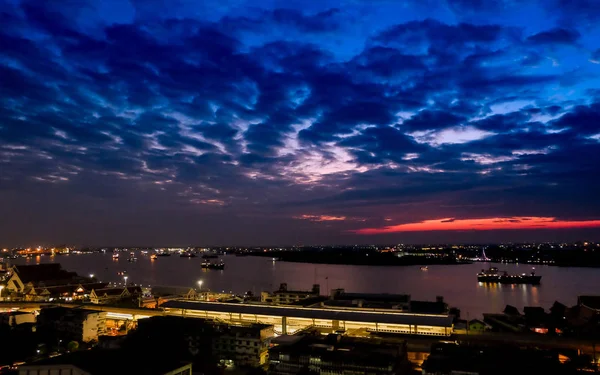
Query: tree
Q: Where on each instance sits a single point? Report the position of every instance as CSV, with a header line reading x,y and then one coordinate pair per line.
x,y
73,346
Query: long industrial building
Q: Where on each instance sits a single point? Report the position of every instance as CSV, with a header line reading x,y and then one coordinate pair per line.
x,y
290,319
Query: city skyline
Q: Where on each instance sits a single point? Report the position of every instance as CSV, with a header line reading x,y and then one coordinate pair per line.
x,y
285,123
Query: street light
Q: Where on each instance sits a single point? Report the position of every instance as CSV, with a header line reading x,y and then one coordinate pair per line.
x,y
125,278
200,287
91,275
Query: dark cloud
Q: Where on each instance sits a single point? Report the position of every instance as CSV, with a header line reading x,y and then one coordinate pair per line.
x,y
431,119
555,36
437,34
256,116
582,120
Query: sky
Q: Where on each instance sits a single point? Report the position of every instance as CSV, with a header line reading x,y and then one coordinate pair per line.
x,y
148,122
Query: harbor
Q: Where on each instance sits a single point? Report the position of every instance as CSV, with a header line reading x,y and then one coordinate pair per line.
x,y
458,284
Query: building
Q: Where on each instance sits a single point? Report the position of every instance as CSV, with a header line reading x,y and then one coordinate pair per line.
x,y
401,302
71,323
477,326
111,295
67,293
40,282
246,345
290,319
451,358
340,355
16,318
106,362
341,298
284,296
242,344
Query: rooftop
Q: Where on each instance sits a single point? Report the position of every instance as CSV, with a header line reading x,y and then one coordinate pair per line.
x,y
389,317
379,297
110,362
58,312
593,302
349,350
36,273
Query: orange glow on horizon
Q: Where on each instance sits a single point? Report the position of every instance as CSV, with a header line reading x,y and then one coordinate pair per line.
x,y
321,217
498,223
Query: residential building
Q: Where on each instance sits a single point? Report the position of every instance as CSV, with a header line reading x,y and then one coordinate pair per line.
x,y
246,345
106,362
71,323
340,355
284,296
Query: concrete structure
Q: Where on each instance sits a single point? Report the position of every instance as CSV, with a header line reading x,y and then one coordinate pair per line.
x,y
243,344
283,296
71,324
338,355
105,362
16,317
247,345
288,319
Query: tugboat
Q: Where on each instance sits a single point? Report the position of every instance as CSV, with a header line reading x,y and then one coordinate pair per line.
x,y
492,275
213,266
153,256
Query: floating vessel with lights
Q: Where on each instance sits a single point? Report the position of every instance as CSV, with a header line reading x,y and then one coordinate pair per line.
x,y
492,275
213,266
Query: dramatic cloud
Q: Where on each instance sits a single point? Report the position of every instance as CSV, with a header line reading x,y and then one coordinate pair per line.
x,y
246,123
523,223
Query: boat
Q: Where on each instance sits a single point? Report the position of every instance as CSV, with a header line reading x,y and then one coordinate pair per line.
x,y
115,256
163,254
187,255
492,275
132,259
213,266
424,268
153,256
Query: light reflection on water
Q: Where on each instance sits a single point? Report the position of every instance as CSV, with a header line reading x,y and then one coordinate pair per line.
x,y
457,284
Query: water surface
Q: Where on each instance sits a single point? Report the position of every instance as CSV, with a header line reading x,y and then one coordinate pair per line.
x,y
457,284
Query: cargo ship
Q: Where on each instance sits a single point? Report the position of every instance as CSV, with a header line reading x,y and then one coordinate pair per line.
x,y
492,275
213,266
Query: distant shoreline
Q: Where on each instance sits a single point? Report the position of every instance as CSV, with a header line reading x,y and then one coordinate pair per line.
x,y
358,259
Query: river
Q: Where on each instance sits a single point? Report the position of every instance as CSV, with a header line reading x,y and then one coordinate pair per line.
x,y
456,283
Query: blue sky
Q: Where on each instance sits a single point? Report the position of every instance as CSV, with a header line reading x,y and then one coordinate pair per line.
x,y
298,122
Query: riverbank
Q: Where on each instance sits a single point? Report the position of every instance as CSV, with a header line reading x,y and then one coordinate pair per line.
x,y
359,258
